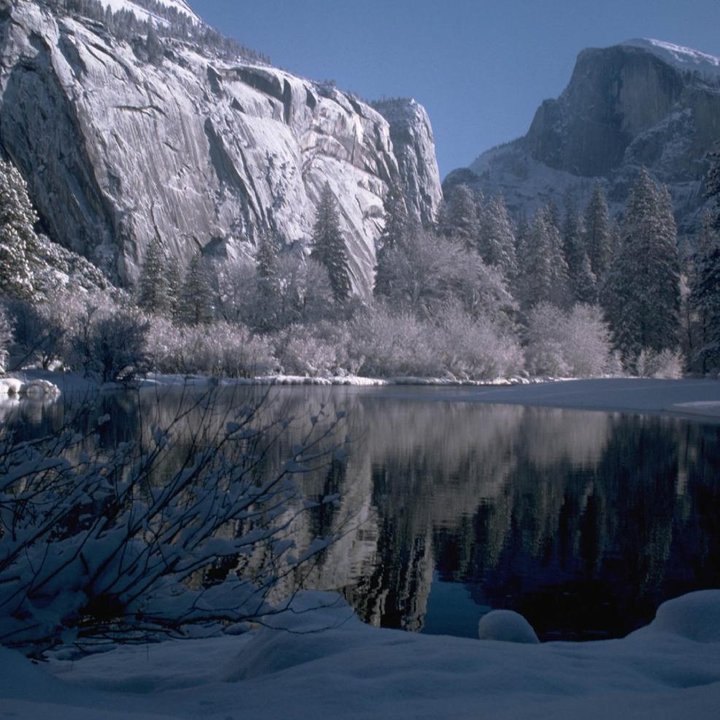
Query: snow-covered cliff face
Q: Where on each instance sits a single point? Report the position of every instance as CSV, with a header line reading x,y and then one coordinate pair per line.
x,y
199,151
642,103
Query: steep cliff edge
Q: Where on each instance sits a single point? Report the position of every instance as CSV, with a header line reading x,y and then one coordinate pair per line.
x,y
200,151
643,103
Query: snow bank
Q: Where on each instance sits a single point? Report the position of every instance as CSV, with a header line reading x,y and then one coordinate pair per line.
x,y
506,626
36,389
694,617
319,661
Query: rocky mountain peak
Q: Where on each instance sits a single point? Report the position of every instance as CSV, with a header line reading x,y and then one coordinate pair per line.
x,y
641,103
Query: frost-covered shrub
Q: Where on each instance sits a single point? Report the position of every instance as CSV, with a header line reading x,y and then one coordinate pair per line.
x,y
567,344
44,330
220,349
473,348
383,344
665,364
426,271
140,540
317,350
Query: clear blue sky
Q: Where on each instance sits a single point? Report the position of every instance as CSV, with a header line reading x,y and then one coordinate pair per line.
x,y
480,68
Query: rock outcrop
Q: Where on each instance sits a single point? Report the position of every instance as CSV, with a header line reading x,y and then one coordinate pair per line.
x,y
642,103
197,150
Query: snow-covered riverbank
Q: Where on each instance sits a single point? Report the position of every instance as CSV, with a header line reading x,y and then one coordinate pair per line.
x,y
326,664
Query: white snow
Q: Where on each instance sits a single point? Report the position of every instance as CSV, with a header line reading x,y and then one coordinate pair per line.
x,y
321,661
683,58
324,663
32,388
143,14
506,626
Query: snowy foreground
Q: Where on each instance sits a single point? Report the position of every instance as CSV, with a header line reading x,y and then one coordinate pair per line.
x,y
326,664
320,661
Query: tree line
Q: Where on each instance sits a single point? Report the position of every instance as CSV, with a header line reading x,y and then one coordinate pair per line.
x,y
477,295
149,37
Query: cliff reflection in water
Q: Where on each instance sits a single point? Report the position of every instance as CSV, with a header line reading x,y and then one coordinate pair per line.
x,y
582,521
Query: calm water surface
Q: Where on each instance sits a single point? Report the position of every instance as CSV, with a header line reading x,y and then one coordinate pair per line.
x,y
582,521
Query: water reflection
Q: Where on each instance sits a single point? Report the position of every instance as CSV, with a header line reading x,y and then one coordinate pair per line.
x,y
582,521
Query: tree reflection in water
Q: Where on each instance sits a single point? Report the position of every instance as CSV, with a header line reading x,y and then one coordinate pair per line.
x,y
582,521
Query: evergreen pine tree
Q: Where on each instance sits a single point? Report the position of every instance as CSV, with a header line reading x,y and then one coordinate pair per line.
x,y
497,239
642,295
705,301
18,241
395,229
329,246
267,263
598,234
155,293
459,217
195,305
545,274
705,281
712,188
581,280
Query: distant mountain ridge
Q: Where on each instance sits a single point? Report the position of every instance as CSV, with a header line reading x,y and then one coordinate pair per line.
x,y
124,139
641,103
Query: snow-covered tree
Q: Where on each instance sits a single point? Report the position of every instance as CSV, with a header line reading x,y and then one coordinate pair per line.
x,y
109,342
268,283
430,270
328,246
642,295
6,337
598,234
704,298
496,243
459,216
704,301
195,303
155,292
396,227
18,241
712,187
581,279
544,270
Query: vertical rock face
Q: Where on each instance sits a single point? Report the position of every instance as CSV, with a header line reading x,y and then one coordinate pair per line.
x,y
643,103
414,145
194,149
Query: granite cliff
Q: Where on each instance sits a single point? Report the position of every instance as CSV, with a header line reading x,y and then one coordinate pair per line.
x,y
198,150
642,103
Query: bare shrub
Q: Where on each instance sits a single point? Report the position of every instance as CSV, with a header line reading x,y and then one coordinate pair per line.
x,y
181,527
665,364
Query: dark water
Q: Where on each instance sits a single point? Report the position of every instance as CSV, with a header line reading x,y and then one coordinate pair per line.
x,y
582,521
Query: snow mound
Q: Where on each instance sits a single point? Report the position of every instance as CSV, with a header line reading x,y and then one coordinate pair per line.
x,y
683,58
37,389
695,616
10,387
507,626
